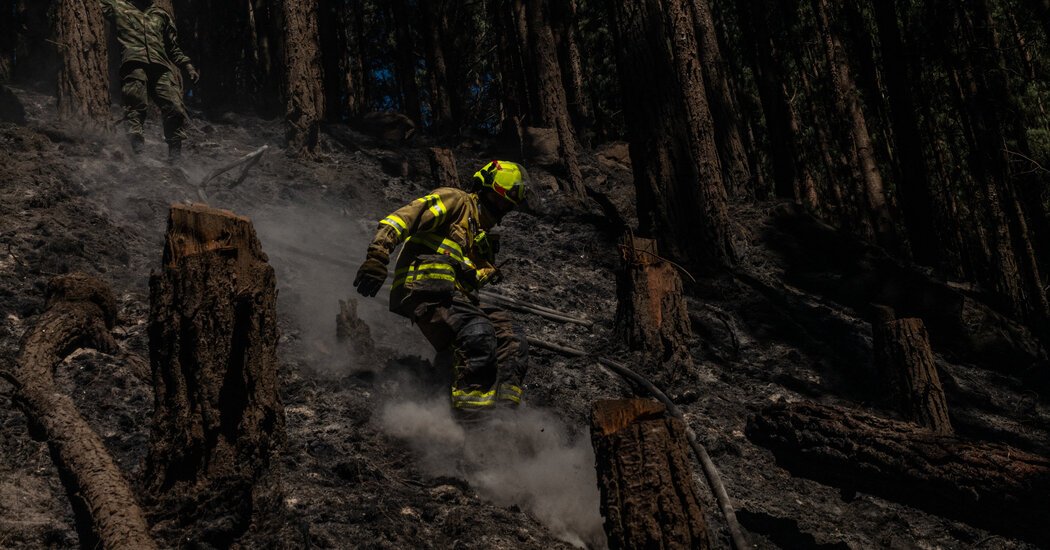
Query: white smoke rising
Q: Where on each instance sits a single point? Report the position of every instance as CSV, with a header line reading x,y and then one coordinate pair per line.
x,y
525,458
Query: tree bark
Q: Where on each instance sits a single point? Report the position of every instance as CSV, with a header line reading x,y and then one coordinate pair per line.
x,y
987,484
914,187
338,50
648,497
80,312
433,26
848,106
552,103
218,418
83,78
443,167
677,173
303,81
905,360
404,54
724,111
569,59
651,314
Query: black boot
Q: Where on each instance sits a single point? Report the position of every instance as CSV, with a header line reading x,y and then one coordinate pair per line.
x,y
174,151
138,143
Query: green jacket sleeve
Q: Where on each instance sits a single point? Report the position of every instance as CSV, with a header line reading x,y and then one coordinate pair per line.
x,y
175,53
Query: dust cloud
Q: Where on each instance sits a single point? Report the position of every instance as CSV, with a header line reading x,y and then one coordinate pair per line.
x,y
526,458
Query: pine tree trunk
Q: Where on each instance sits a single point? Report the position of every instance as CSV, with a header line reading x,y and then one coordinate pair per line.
x,y
341,77
83,79
776,105
303,84
651,314
569,60
724,110
443,167
678,177
404,55
848,106
552,103
432,26
914,187
218,419
987,484
905,360
648,497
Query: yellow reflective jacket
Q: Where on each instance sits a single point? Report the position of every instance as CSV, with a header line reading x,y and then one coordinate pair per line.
x,y
443,249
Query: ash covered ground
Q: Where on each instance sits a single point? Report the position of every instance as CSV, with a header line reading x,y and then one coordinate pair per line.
x,y
373,458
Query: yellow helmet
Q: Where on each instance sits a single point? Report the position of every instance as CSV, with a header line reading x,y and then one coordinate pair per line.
x,y
507,179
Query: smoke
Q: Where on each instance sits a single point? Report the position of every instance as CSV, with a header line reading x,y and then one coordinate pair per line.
x,y
526,458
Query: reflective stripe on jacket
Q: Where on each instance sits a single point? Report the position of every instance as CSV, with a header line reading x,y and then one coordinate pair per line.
x,y
438,231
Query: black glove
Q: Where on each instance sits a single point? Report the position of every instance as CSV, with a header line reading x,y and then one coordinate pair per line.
x,y
195,75
370,277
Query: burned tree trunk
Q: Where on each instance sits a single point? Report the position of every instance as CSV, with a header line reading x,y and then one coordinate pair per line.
x,y
83,79
651,313
552,102
80,312
303,83
648,497
677,173
904,357
443,167
987,484
213,351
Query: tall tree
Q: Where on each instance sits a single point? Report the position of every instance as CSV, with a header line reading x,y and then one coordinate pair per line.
x,y
303,91
434,25
916,197
848,106
83,79
723,106
406,66
678,177
342,75
552,103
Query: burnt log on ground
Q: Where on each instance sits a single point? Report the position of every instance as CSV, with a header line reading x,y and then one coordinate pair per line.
x,y
648,497
80,312
990,485
218,419
905,361
651,313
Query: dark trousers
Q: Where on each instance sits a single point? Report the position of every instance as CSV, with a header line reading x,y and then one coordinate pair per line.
x,y
490,351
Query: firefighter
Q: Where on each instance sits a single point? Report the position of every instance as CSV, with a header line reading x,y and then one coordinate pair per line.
x,y
151,60
448,256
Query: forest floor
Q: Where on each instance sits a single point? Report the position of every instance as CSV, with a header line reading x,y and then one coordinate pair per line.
x,y
373,458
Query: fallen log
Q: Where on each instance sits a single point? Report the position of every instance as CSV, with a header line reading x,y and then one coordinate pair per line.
x,y
218,419
80,312
648,498
990,485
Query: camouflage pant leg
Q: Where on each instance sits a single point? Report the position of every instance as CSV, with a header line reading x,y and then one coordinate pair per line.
x,y
166,89
512,354
134,89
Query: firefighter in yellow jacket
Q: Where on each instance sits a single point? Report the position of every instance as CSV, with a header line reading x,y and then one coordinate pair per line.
x,y
448,255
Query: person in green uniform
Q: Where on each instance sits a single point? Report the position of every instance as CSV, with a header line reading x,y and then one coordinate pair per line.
x,y
151,60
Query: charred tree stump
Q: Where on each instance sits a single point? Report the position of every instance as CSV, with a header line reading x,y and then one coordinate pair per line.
x,y
651,314
80,312
218,418
904,357
443,167
987,484
648,497
83,80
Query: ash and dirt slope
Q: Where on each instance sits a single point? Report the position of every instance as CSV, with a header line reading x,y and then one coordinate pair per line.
x,y
372,457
